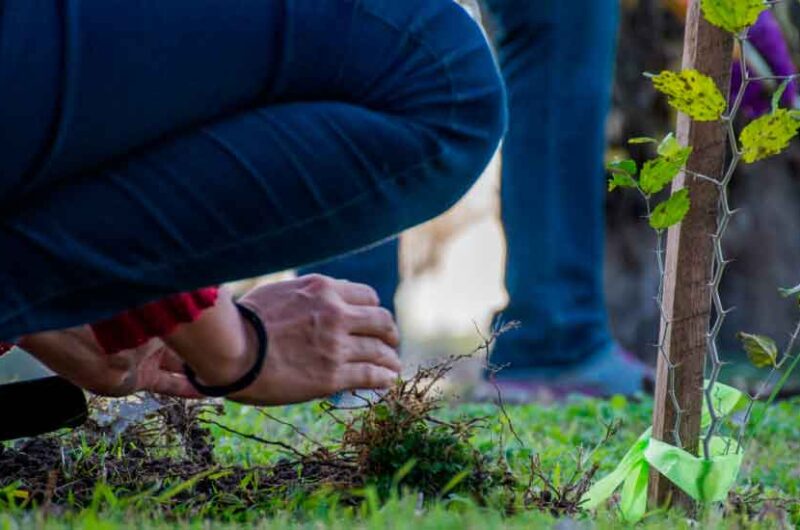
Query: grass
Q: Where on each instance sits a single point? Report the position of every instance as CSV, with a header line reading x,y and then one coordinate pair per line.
x,y
554,433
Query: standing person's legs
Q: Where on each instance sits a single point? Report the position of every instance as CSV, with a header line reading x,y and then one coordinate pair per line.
x,y
557,58
192,143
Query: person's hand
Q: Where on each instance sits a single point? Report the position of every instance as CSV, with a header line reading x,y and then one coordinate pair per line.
x,y
325,336
75,354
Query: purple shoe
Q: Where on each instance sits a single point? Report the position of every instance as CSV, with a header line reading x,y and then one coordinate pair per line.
x,y
614,372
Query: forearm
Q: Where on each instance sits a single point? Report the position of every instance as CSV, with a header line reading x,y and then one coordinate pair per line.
x,y
325,336
220,345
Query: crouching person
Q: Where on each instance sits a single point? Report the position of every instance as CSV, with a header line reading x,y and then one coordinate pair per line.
x,y
159,149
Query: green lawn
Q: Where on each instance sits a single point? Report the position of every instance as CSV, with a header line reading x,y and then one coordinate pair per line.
x,y
554,433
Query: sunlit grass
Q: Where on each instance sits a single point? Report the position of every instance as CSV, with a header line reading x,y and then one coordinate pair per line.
x,y
553,432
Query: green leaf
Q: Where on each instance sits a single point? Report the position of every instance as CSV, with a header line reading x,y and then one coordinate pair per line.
x,y
692,93
618,402
669,146
381,411
733,15
403,472
659,172
643,140
768,135
188,484
620,180
455,481
761,350
672,211
623,166
623,173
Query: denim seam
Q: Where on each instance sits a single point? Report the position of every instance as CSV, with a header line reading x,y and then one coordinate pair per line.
x,y
255,238
415,37
70,65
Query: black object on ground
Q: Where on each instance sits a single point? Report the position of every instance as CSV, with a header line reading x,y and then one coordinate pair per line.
x,y
39,406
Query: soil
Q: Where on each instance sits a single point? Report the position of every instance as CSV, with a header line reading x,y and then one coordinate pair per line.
x,y
168,455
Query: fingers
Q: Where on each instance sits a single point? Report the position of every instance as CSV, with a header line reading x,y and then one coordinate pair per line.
x,y
374,322
361,310
374,351
357,293
355,376
168,378
350,292
170,361
173,384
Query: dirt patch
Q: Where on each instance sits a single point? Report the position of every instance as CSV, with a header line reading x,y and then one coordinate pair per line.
x,y
165,460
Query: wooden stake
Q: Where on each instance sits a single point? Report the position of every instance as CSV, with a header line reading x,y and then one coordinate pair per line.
x,y
687,295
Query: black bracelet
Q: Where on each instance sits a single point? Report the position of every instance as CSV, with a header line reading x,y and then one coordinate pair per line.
x,y
251,375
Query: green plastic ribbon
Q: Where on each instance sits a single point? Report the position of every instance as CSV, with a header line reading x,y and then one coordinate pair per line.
x,y
705,480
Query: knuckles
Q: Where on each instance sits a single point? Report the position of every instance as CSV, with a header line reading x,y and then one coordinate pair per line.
x,y
326,338
373,294
374,377
386,317
336,352
327,316
333,315
369,377
317,284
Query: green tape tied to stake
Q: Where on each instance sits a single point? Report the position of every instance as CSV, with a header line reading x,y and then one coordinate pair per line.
x,y
704,480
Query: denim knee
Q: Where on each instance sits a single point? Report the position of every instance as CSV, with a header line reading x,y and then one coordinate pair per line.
x,y
453,93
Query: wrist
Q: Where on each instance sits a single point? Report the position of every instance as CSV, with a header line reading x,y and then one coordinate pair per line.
x,y
220,346
235,360
259,330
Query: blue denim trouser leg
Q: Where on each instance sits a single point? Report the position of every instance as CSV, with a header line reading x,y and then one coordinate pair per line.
x,y
152,147
557,58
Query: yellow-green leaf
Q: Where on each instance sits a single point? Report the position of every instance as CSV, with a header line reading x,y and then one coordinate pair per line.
x,y
761,350
620,180
623,166
642,140
623,173
659,172
692,93
672,211
733,15
768,135
669,146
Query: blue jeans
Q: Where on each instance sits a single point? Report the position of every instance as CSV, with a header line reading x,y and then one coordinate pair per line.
x,y
156,146
557,58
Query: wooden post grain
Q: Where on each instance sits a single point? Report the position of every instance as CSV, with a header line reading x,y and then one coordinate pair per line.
x,y
687,297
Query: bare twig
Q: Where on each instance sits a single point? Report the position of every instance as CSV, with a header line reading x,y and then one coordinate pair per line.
x,y
255,438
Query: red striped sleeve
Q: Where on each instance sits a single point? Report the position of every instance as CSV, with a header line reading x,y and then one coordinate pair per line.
x,y
156,319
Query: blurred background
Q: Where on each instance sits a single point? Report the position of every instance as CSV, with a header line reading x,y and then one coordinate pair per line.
x,y
452,267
